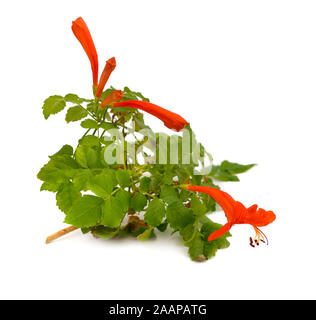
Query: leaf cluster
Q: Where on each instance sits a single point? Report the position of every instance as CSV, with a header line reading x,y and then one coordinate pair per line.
x,y
135,199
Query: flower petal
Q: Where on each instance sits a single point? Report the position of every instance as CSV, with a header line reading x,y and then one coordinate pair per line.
x,y
170,119
82,33
225,228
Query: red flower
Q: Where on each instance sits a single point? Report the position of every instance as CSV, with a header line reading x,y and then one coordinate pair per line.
x,y
109,67
115,96
170,119
82,33
237,213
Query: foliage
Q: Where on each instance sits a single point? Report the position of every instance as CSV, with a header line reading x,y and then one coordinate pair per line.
x,y
136,197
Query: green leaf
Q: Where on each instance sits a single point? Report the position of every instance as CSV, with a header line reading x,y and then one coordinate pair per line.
x,y
138,202
58,170
66,196
169,194
73,98
52,187
112,212
87,157
235,168
65,150
145,184
90,140
85,212
107,126
81,179
76,113
89,124
155,213
124,198
103,183
147,234
178,215
131,95
53,105
210,248
123,178
196,250
227,171
163,226
220,174
187,232
86,230
197,206
104,232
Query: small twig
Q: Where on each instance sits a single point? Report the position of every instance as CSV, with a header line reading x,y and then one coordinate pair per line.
x,y
60,233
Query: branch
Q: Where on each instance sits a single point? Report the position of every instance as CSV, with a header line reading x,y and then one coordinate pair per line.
x,y
60,233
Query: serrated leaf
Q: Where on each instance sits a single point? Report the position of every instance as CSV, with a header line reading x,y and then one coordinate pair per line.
x,y
90,140
235,168
220,174
187,232
138,202
53,105
87,156
52,187
123,178
197,206
112,212
86,230
73,98
85,212
124,198
104,232
107,126
132,95
196,250
155,213
145,184
66,196
147,234
210,249
102,184
169,194
58,170
163,226
81,179
89,124
178,215
76,113
65,150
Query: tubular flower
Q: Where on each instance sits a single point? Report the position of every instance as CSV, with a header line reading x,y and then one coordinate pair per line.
x,y
108,69
82,33
115,96
170,119
237,213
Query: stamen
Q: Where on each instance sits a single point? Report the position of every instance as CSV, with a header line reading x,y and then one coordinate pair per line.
x,y
251,242
264,236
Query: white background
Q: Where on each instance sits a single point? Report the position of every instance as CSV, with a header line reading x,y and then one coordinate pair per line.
x,y
242,72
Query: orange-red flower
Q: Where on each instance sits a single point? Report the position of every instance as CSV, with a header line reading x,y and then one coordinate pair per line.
x,y
82,33
115,96
170,119
109,67
237,213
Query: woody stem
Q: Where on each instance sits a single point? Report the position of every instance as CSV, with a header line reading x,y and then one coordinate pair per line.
x,y
60,233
